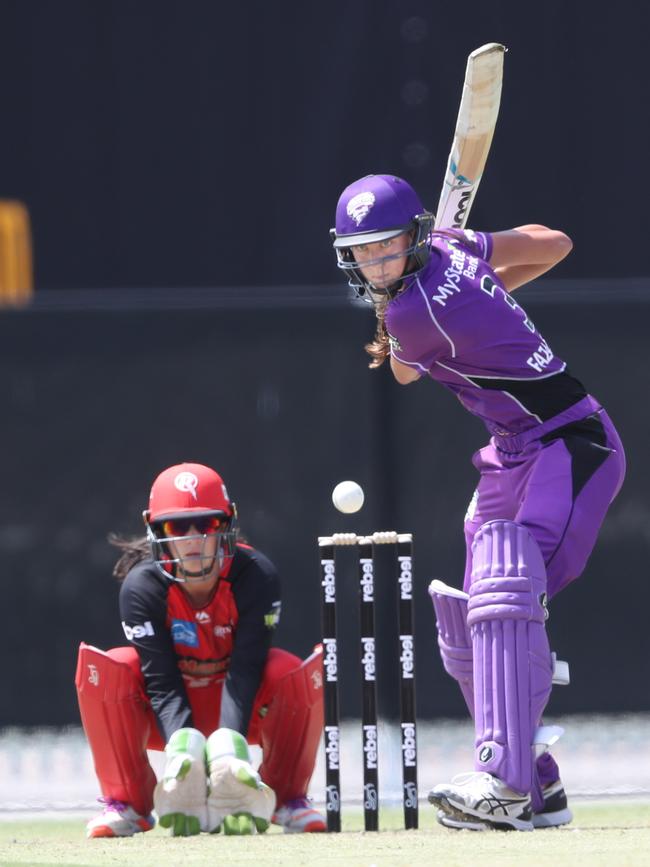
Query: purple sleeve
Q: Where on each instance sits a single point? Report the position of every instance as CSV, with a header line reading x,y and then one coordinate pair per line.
x,y
486,241
480,243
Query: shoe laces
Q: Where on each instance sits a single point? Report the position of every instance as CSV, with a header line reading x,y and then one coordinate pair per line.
x,y
480,783
472,778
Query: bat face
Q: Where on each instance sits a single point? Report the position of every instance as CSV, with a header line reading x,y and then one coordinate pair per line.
x,y
477,117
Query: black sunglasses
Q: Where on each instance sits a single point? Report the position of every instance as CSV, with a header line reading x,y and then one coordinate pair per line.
x,y
201,524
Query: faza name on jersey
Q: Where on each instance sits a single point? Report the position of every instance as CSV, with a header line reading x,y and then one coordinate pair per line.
x,y
541,358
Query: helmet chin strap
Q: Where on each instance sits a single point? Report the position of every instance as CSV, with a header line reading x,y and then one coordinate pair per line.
x,y
190,576
194,576
386,293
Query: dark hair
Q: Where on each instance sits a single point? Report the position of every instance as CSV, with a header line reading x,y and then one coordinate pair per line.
x,y
133,550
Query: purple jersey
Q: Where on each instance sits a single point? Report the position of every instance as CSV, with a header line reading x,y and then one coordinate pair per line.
x,y
456,322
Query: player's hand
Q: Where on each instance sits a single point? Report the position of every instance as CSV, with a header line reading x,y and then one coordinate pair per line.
x,y
238,800
180,798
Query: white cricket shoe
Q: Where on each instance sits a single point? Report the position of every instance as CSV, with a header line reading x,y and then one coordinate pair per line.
x,y
299,817
118,820
478,801
465,822
555,811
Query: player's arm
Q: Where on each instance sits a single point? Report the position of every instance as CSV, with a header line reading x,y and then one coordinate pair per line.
x,y
416,340
403,373
256,590
143,610
180,796
524,253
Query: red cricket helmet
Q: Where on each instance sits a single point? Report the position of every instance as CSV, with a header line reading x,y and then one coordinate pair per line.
x,y
183,491
186,489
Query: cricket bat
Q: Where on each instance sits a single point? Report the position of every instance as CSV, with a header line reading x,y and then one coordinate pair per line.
x,y
477,118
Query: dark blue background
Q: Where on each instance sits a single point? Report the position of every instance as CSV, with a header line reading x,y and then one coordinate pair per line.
x,y
167,145
161,143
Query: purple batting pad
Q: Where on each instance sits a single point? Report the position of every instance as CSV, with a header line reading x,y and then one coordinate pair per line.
x,y
454,639
512,660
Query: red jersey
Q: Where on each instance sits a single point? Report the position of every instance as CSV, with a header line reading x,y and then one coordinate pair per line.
x,y
183,647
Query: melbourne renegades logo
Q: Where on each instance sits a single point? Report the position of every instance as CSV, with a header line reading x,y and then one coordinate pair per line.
x,y
186,483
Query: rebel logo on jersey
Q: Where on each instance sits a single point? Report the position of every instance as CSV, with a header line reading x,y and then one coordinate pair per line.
x,y
138,630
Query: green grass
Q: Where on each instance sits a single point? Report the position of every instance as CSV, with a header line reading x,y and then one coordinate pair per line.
x,y
605,833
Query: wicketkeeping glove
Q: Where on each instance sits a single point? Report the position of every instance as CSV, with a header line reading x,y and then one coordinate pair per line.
x,y
180,798
238,800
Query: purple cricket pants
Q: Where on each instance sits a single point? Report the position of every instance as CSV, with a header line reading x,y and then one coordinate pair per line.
x,y
558,481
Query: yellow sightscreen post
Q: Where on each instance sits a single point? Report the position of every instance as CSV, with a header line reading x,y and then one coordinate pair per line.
x,y
16,272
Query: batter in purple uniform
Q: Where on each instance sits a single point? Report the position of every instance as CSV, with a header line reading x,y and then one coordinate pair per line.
x,y
553,465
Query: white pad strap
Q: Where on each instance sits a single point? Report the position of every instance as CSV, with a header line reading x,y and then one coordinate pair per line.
x,y
561,675
545,737
438,586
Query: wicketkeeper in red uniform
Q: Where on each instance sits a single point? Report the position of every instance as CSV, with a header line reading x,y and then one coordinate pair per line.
x,y
199,679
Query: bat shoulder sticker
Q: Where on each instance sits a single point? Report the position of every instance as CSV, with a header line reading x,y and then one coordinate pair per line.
x,y
477,117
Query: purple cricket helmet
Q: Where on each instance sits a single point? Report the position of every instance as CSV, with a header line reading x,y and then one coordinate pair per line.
x,y
376,208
